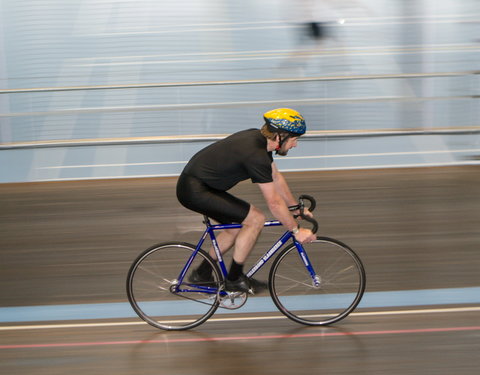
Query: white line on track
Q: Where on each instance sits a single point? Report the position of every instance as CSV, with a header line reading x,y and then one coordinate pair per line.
x,y
232,319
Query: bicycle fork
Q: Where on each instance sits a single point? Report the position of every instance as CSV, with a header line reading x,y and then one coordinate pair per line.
x,y
316,280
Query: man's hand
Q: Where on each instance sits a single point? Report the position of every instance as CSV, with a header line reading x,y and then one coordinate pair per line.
x,y
306,213
305,235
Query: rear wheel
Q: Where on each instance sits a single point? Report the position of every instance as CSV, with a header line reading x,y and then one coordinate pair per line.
x,y
157,296
329,296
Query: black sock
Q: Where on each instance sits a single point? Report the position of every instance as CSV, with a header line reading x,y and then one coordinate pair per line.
x,y
204,269
236,270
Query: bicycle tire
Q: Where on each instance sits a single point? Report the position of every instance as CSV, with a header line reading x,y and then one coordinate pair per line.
x,y
151,287
341,280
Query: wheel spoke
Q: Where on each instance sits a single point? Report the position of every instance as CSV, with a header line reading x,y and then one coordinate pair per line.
x,y
150,292
341,286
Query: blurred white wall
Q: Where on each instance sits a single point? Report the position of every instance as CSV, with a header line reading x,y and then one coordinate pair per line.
x,y
96,45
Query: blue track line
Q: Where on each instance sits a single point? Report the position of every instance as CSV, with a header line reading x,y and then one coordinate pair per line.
x,y
424,297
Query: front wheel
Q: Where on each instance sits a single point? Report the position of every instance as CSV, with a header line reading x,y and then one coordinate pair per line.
x,y
326,297
157,295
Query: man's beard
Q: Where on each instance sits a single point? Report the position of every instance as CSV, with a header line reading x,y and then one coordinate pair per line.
x,y
281,151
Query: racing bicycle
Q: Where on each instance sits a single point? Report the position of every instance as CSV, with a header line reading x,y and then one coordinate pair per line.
x,y
315,284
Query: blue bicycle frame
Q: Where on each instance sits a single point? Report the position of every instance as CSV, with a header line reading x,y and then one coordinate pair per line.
x,y
209,231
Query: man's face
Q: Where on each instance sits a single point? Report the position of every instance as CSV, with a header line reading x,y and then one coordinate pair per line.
x,y
287,145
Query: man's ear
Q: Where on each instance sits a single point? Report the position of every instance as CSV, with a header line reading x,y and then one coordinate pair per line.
x,y
279,140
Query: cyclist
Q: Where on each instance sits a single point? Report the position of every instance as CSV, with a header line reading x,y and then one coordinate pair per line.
x,y
204,183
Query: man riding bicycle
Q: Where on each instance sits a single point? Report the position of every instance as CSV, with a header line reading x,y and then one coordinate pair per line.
x,y
204,183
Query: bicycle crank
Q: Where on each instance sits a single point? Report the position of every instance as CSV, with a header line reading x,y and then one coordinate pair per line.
x,y
232,300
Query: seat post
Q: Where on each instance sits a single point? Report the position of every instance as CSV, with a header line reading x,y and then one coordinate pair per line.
x,y
206,221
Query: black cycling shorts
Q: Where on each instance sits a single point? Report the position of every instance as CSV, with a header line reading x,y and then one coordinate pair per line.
x,y
216,204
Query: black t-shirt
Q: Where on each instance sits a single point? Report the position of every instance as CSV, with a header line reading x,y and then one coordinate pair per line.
x,y
238,157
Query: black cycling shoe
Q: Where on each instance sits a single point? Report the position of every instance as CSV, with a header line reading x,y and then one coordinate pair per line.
x,y
196,278
258,285
244,284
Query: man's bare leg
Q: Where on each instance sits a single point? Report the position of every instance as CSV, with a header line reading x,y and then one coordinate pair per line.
x,y
243,238
225,241
247,237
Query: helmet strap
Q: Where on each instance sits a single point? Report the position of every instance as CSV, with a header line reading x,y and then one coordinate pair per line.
x,y
281,141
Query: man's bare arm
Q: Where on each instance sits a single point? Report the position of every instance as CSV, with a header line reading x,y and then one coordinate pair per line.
x,y
278,207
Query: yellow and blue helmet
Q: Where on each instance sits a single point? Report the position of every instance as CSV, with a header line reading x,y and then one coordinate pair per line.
x,y
285,120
